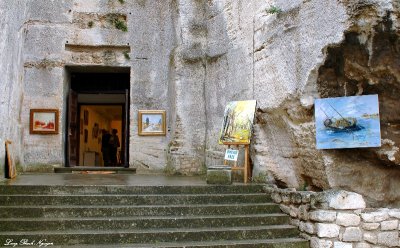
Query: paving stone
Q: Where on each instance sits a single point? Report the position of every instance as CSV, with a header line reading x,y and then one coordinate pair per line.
x,y
370,237
346,200
342,245
362,245
390,239
307,227
323,215
352,234
327,230
320,243
346,219
389,225
395,213
370,226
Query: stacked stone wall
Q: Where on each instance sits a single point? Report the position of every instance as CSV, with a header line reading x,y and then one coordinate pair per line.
x,y
338,218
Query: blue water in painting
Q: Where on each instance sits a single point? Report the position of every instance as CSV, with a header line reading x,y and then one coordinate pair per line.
x,y
369,135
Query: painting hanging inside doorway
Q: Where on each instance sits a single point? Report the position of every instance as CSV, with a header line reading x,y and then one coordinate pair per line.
x,y
347,122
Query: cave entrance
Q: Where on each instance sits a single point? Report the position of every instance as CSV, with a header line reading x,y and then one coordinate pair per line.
x,y
98,102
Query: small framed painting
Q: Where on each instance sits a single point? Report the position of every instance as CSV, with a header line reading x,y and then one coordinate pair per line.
x,y
152,122
43,121
86,117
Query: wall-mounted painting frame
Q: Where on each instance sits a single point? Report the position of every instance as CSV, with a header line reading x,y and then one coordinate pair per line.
x,y
86,117
347,122
43,121
152,122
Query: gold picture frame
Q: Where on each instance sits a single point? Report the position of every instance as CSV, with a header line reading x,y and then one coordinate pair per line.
x,y
152,122
43,121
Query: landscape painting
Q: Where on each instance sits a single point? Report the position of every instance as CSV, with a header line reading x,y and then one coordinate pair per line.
x,y
347,122
43,121
152,122
238,122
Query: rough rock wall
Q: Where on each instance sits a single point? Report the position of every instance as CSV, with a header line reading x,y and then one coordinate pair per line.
x,y
367,61
79,33
12,17
270,58
191,57
311,49
43,86
152,37
229,64
187,81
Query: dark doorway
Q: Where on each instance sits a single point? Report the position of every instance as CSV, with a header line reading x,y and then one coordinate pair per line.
x,y
98,100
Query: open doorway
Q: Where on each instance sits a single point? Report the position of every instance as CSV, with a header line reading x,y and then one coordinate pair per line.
x,y
98,103
97,124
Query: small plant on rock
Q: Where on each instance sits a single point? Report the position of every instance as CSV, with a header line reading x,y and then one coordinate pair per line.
x,y
126,55
274,10
90,24
118,22
121,1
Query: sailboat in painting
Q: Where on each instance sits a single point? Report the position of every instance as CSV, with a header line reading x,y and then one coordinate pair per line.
x,y
347,122
340,124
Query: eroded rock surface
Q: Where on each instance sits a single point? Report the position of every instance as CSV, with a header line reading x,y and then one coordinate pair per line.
x,y
191,57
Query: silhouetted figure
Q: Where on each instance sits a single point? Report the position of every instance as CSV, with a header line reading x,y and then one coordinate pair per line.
x,y
105,147
113,146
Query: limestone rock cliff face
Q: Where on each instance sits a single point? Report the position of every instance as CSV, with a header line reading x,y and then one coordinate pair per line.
x,y
350,48
311,49
12,17
192,57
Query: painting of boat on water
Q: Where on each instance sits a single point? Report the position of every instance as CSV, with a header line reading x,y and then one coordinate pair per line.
x,y
347,122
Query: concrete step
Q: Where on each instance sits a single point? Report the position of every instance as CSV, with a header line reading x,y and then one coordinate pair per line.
x,y
126,189
95,168
144,216
248,243
167,199
66,211
134,223
155,236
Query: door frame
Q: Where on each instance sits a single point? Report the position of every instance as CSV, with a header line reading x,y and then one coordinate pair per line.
x,y
70,70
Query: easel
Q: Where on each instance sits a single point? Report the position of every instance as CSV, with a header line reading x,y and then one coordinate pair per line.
x,y
246,166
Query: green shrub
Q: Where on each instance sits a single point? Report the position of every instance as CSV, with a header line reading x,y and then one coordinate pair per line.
x,y
273,10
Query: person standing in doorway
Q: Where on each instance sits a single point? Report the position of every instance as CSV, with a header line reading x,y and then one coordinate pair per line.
x,y
113,146
105,147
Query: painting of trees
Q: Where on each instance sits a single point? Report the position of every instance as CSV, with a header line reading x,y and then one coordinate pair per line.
x,y
238,122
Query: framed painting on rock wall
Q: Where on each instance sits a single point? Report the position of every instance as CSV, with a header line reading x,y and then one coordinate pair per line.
x,y
151,123
347,122
43,121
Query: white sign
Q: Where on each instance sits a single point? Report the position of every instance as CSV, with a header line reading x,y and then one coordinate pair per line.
x,y
231,154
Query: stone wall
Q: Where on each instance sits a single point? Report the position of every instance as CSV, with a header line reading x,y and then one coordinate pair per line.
x,y
12,18
338,218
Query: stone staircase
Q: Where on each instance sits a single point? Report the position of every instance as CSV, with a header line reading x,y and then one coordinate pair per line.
x,y
143,216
